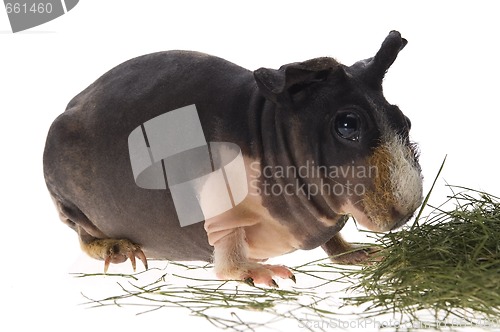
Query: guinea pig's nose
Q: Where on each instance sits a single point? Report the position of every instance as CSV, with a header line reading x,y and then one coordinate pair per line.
x,y
400,218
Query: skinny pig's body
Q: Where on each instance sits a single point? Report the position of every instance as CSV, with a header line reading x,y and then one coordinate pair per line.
x,y
317,112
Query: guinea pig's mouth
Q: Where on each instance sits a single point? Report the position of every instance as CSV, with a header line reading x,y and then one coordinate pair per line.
x,y
376,224
402,221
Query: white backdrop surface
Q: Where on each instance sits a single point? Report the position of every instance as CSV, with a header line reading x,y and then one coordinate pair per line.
x,y
446,81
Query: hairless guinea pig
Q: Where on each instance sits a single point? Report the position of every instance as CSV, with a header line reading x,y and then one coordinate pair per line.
x,y
312,142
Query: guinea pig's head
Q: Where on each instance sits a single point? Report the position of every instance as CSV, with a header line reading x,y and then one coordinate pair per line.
x,y
335,118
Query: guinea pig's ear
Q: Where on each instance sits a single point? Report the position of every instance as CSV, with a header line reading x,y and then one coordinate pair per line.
x,y
372,70
281,85
271,82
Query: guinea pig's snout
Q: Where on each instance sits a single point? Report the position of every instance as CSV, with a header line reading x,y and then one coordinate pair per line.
x,y
400,218
396,188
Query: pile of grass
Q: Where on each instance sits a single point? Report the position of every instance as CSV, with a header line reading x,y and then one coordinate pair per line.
x,y
447,266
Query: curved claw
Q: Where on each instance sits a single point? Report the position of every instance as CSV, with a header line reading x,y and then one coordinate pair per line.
x,y
249,281
140,254
273,284
131,256
106,264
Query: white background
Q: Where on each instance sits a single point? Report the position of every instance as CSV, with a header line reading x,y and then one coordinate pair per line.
x,y
445,80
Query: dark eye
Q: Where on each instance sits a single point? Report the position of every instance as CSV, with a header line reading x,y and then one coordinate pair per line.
x,y
347,126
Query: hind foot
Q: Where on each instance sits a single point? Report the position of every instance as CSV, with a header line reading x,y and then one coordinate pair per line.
x,y
232,263
115,251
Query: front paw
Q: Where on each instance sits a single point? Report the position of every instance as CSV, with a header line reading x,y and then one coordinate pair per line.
x,y
358,255
255,273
